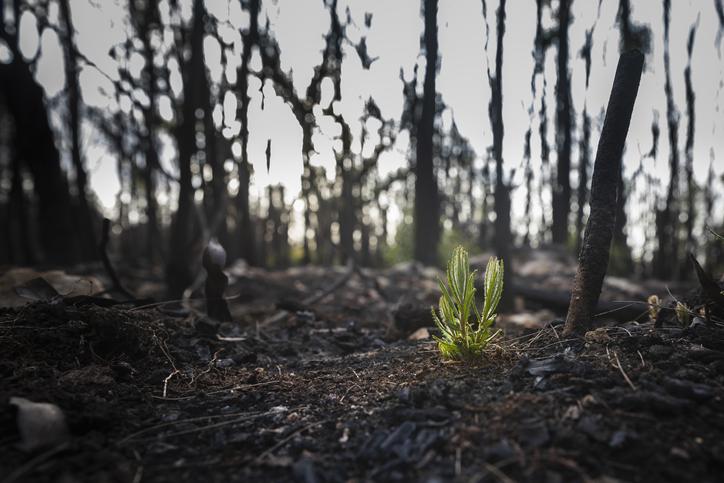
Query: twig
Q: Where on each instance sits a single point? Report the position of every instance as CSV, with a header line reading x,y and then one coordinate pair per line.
x,y
494,470
623,373
207,427
133,436
164,302
288,438
168,378
103,249
316,297
34,462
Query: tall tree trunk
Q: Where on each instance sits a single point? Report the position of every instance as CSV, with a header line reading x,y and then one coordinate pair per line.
x,y
427,228
85,221
667,220
245,226
18,237
181,259
35,146
153,233
503,237
562,185
691,187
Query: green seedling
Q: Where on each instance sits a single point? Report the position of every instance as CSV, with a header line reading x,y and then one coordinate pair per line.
x,y
461,339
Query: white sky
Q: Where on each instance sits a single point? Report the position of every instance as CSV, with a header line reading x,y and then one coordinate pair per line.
x,y
395,38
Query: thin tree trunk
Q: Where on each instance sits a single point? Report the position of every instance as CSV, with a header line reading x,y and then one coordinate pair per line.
x,y
85,221
503,237
35,146
153,233
594,256
427,229
180,266
689,167
562,185
245,226
667,224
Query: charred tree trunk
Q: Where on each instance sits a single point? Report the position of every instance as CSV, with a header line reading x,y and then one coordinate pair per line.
x,y
18,237
691,187
427,229
180,266
153,232
667,220
85,221
245,226
34,145
562,185
593,259
503,238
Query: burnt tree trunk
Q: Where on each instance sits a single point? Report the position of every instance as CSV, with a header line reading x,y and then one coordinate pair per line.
x,y
427,223
667,220
34,145
180,266
85,221
153,233
562,185
503,237
593,259
245,226
691,187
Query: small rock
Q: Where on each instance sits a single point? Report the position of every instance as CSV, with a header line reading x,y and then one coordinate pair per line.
x,y
41,425
679,453
420,334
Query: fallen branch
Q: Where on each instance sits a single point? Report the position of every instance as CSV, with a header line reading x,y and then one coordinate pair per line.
x,y
313,299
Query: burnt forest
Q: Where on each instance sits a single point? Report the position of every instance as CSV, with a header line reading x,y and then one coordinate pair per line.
x,y
336,241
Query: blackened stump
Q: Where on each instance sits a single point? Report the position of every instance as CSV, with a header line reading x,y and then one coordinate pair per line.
x,y
213,260
593,258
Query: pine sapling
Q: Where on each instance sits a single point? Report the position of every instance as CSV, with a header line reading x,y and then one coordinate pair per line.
x,y
461,339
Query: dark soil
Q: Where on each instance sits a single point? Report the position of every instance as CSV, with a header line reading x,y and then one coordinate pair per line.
x,y
330,393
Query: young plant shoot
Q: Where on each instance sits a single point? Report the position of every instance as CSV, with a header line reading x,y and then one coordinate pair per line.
x,y
461,339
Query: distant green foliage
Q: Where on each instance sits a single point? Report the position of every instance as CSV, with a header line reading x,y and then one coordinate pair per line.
x,y
461,339
454,237
402,249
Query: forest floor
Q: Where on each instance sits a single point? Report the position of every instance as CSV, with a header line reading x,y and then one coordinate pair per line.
x,y
337,390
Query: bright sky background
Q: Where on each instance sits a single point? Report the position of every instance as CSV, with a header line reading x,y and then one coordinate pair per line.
x,y
395,38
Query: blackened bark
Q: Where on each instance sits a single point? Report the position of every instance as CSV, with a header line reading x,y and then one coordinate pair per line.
x,y
426,222
35,146
86,230
147,21
593,259
562,185
179,269
503,237
245,226
691,187
667,220
18,235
